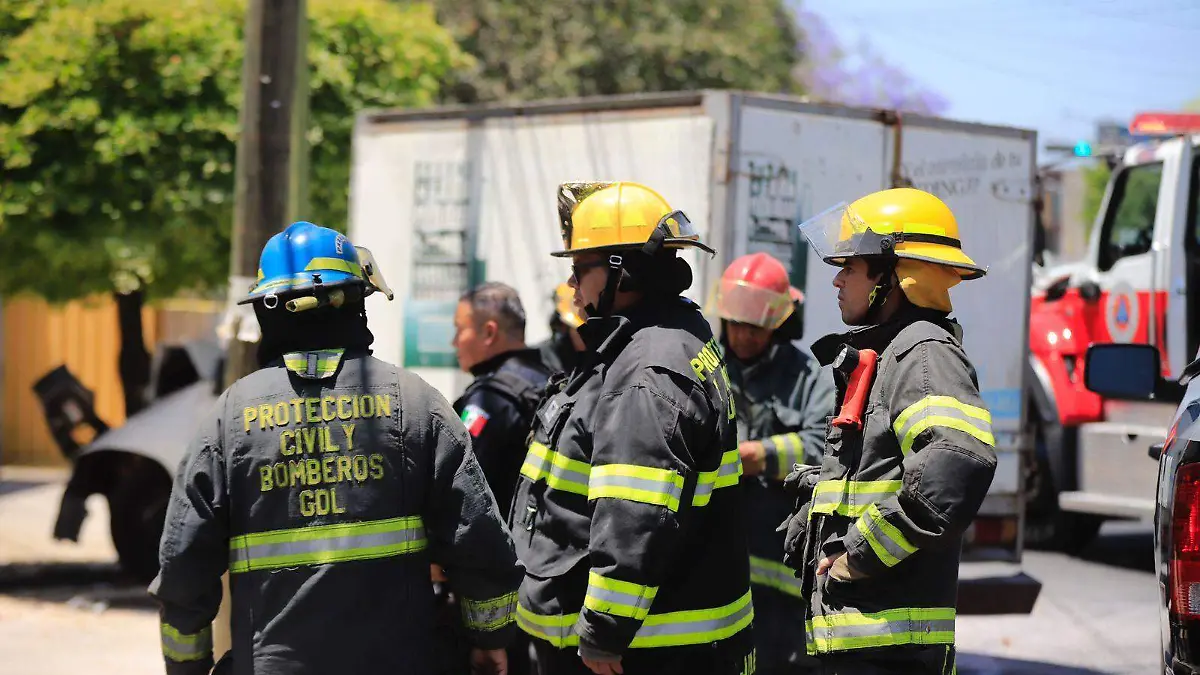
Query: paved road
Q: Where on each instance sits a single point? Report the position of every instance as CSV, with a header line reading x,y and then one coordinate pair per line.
x,y
65,610
1097,613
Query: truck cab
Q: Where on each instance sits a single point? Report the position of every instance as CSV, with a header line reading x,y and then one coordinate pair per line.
x,y
1140,283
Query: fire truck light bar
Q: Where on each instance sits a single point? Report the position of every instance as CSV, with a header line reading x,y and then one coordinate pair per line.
x,y
1164,124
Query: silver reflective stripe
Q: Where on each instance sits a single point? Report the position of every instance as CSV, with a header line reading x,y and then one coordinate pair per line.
x,y
942,411
619,598
489,615
851,498
636,483
839,631
680,628
559,471
782,451
725,475
185,647
673,629
323,544
885,539
774,575
318,364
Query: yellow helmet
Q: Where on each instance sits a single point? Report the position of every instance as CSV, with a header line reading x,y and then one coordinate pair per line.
x,y
904,222
564,305
599,217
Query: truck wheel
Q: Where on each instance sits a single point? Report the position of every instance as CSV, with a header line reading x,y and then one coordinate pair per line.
x,y
1048,527
137,507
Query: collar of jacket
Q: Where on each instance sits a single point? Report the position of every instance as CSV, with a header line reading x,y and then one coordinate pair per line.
x,y
752,368
607,335
317,364
493,364
879,336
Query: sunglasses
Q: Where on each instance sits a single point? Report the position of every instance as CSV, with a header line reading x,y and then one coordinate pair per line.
x,y
579,268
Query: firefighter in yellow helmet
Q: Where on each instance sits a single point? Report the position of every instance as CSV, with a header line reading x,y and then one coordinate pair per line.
x,y
627,514
562,351
910,455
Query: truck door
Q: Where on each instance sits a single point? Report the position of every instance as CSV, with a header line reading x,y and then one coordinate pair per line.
x,y
1126,260
1183,313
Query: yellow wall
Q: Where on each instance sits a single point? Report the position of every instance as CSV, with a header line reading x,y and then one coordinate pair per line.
x,y
38,338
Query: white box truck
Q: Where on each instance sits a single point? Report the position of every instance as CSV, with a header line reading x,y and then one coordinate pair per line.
x,y
450,197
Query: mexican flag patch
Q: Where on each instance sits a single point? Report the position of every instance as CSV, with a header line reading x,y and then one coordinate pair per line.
x,y
475,419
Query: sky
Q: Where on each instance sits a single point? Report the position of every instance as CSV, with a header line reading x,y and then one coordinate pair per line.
x,y
1056,66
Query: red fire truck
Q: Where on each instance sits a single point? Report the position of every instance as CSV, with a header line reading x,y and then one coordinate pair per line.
x,y
1140,283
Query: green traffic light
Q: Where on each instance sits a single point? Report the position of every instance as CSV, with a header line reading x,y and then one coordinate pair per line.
x,y
1083,149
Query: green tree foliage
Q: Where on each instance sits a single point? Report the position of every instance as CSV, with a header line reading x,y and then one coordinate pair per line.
x,y
119,124
531,49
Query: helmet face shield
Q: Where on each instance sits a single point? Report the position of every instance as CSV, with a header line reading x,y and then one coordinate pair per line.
x,y
740,302
838,233
371,273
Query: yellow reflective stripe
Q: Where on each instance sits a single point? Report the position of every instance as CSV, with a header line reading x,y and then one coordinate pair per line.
x,y
726,475
559,472
558,630
489,615
851,498
186,646
321,363
783,450
672,629
942,411
660,487
619,598
885,539
840,631
774,575
323,544
337,264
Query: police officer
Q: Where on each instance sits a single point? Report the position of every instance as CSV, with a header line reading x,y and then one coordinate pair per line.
x,y
497,409
627,513
783,399
498,406
910,456
326,483
564,348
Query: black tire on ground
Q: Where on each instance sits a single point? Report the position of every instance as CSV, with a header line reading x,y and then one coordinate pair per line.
x,y
137,505
1048,527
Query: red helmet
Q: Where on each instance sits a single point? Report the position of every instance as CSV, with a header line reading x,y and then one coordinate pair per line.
x,y
754,289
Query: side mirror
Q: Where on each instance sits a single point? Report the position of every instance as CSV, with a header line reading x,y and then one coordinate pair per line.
x,y
1122,371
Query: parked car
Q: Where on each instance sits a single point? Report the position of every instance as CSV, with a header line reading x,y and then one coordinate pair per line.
x,y
1131,372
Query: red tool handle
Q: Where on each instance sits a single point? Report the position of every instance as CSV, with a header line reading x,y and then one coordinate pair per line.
x,y
857,390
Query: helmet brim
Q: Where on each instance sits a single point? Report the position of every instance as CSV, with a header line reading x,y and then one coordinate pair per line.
x,y
298,284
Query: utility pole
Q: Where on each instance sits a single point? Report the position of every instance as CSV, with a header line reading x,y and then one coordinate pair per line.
x,y
272,174
272,154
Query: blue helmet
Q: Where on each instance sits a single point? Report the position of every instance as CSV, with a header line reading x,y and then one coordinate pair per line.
x,y
305,256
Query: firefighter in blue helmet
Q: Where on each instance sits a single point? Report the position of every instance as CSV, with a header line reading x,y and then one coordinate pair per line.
x,y
326,483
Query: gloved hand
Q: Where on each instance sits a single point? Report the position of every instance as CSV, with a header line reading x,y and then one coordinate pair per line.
x,y
801,481
796,527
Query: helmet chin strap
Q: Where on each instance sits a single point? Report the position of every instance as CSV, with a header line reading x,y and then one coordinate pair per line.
x,y
881,292
608,297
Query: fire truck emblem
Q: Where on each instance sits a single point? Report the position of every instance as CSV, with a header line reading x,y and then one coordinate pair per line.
x,y
1121,313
